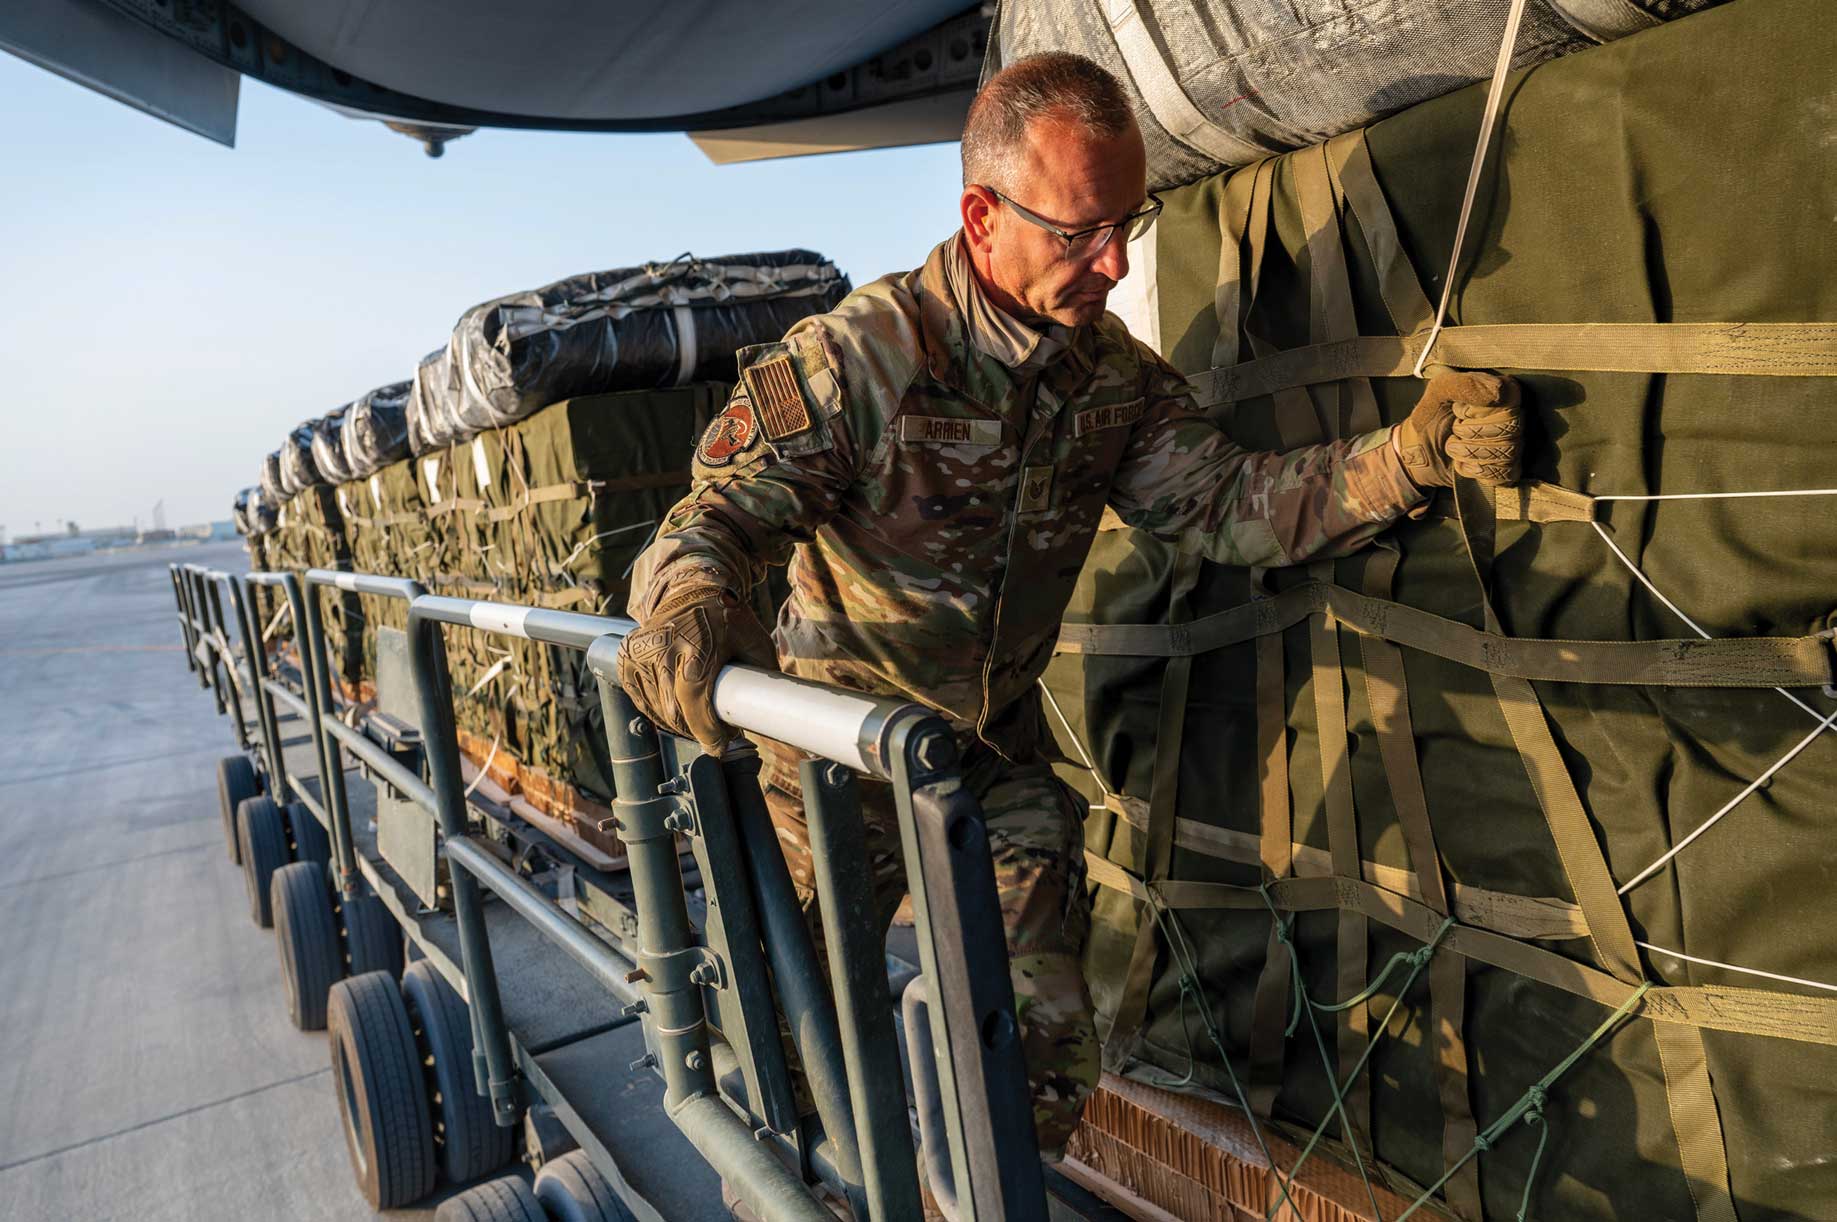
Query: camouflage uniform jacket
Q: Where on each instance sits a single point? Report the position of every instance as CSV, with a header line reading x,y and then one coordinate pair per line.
x,y
934,472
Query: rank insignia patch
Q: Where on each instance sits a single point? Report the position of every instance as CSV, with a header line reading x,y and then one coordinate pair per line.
x,y
781,409
732,432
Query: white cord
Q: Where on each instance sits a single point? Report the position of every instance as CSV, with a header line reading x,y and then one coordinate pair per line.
x,y
1076,741
1824,723
1720,496
1731,804
1487,123
484,769
604,534
1746,971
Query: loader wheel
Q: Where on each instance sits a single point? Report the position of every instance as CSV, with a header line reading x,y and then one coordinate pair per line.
x,y
311,842
376,1070
304,930
261,830
372,939
236,781
571,1189
502,1200
466,1134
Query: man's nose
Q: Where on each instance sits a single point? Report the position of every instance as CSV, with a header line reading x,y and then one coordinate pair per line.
x,y
1113,260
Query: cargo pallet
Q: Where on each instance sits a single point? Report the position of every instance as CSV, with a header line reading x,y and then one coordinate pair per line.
x,y
554,988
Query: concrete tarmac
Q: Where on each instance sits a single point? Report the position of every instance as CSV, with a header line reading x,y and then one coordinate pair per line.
x,y
150,1071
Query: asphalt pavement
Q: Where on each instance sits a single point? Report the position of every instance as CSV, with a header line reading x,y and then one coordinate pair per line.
x,y
149,1069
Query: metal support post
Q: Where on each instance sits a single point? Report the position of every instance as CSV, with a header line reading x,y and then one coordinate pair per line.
x,y
994,1151
858,970
308,624
801,992
257,659
668,958
194,613
492,1064
178,596
226,657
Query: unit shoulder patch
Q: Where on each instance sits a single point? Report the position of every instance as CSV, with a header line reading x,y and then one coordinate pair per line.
x,y
732,433
778,399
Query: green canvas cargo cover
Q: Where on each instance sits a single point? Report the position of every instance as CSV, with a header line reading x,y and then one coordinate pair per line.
x,y
1470,744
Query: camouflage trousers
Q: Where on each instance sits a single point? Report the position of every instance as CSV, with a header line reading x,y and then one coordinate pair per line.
x,y
1036,837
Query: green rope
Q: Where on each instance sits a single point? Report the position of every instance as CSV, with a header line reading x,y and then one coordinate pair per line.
x,y
1530,1109
1189,985
1417,959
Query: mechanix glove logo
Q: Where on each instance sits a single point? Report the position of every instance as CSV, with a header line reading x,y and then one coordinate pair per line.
x,y
731,433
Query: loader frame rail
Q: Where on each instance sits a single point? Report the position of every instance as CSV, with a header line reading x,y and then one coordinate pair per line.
x,y
712,1036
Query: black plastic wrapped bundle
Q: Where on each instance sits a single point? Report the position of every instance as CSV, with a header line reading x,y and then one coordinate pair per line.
x,y
298,470
328,446
633,328
239,510
272,491
376,430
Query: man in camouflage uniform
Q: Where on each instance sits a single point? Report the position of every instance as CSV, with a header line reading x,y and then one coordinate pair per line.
x,y
932,458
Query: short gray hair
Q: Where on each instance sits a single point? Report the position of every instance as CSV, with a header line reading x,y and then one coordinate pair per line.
x,y
1053,84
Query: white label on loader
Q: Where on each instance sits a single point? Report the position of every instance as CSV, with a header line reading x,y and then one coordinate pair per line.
x,y
376,492
430,470
481,465
495,617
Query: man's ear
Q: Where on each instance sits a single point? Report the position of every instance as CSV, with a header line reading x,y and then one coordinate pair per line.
x,y
978,207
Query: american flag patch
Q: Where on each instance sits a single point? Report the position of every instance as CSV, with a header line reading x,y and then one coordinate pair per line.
x,y
778,401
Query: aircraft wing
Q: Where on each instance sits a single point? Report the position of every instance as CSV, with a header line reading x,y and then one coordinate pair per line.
x,y
748,79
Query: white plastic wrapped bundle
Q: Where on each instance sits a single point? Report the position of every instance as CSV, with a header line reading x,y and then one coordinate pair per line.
x,y
1227,82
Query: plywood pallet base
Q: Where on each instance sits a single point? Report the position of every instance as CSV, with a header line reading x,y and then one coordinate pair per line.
x,y
1159,1156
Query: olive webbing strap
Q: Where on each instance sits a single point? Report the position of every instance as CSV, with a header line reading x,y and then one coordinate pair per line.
x,y
1758,349
1803,661
1331,316
1695,1124
1387,697
1736,1010
1349,158
1571,830
1244,210
1132,1008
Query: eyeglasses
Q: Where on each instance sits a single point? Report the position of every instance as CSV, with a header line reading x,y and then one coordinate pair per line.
x,y
1084,243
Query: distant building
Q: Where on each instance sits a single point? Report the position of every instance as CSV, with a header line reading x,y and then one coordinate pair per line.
x,y
68,542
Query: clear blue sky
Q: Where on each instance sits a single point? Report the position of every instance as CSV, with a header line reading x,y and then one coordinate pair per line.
x,y
170,308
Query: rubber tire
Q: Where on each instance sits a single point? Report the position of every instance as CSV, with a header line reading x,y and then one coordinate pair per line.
x,y
307,935
311,842
372,939
236,780
466,1134
501,1200
571,1189
261,829
376,1072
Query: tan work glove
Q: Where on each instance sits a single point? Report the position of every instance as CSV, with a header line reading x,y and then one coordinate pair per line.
x,y
1467,424
669,664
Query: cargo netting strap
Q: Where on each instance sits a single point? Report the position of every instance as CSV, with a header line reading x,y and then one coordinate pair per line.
x,y
1539,918
1132,1008
1738,1011
586,489
1801,661
1348,407
1756,349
